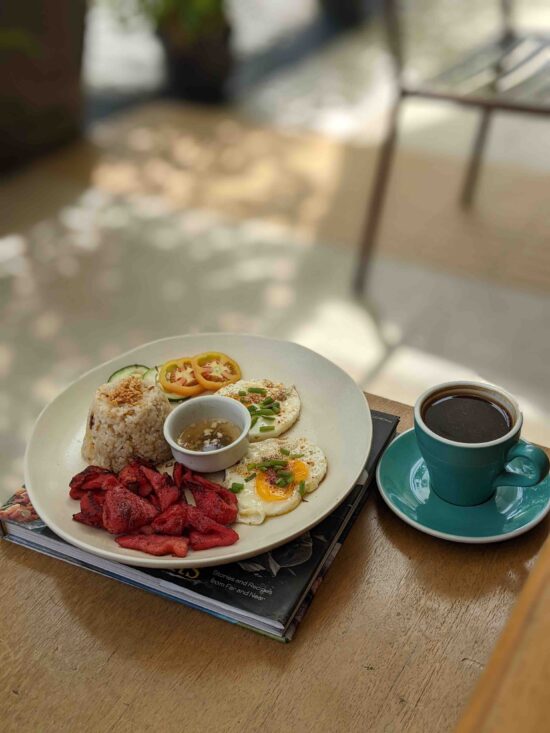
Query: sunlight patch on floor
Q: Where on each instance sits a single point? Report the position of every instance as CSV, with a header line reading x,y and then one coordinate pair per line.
x,y
345,333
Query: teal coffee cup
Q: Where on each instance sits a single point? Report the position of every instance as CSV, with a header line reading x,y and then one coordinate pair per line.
x,y
452,422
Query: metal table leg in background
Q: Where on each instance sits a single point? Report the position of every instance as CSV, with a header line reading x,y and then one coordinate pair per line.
x,y
378,195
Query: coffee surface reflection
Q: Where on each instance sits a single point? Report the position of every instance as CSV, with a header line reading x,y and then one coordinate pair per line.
x,y
466,419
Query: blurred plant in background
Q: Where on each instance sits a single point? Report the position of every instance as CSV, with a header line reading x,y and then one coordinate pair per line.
x,y
195,35
191,17
18,39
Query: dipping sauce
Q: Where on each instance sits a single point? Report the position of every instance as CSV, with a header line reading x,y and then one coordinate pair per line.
x,y
208,435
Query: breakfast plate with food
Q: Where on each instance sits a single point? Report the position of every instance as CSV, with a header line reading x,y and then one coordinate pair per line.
x,y
198,450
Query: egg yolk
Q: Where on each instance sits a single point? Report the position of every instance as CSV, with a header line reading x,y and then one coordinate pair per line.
x,y
266,486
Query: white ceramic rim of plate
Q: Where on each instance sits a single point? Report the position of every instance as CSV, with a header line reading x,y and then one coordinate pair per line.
x,y
137,559
444,535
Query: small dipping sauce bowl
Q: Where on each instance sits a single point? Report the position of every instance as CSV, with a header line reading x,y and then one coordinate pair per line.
x,y
210,407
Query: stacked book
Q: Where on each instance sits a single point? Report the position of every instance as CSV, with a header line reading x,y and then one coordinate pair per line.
x,y
269,593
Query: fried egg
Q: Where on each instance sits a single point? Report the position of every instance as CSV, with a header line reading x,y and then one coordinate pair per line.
x,y
271,490
268,420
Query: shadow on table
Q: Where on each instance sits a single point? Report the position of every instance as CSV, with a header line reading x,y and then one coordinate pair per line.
x,y
138,625
456,570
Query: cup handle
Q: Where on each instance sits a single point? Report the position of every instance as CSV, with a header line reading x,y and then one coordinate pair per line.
x,y
536,456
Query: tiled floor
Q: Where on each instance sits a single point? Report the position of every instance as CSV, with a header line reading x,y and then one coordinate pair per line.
x,y
173,219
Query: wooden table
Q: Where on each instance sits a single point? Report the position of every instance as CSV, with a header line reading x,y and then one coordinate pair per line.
x,y
395,640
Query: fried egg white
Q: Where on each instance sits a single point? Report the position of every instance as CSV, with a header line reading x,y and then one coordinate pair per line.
x,y
270,426
260,496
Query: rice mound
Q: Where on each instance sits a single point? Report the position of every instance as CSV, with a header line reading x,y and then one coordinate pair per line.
x,y
126,420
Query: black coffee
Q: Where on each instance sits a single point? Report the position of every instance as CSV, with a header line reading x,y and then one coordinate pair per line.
x,y
466,419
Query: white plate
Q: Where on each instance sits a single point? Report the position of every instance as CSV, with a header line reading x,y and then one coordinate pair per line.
x,y
335,415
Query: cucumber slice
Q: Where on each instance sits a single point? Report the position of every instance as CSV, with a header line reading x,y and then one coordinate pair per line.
x,y
137,370
150,376
174,397
171,396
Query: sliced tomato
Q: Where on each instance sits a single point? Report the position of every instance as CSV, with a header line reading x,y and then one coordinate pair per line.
x,y
214,370
178,377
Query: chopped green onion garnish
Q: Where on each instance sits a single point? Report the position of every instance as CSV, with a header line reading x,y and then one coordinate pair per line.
x,y
266,428
285,451
249,478
297,455
257,390
269,418
242,393
281,482
265,411
271,464
284,474
254,421
302,488
235,488
252,408
268,401
252,466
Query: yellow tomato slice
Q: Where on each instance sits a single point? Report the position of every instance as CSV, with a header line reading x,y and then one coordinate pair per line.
x,y
214,370
178,377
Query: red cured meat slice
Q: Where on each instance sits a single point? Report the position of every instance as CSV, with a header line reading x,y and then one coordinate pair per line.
x,y
195,478
75,493
214,500
214,506
130,476
163,486
77,480
133,479
172,521
91,507
91,479
153,476
87,519
155,544
178,475
99,496
207,533
146,529
199,521
221,538
103,481
123,511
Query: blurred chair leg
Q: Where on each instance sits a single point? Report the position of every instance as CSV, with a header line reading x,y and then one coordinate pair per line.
x,y
376,206
472,172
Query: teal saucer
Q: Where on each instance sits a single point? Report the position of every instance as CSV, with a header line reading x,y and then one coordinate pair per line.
x,y
404,484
